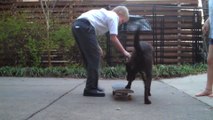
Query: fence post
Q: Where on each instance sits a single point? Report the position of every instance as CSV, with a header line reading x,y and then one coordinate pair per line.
x,y
154,33
179,34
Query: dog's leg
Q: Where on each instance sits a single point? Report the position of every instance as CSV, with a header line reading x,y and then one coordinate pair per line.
x,y
130,78
149,78
147,85
144,77
128,86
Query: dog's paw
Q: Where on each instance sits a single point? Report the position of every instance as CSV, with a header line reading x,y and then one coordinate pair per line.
x,y
148,102
128,87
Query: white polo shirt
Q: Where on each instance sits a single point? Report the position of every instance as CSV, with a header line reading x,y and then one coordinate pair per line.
x,y
102,20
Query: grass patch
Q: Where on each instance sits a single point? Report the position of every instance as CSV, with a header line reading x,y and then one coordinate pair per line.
x,y
159,71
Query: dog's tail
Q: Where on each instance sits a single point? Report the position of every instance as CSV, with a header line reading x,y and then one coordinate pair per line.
x,y
137,38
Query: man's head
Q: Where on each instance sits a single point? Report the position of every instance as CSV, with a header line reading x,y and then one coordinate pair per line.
x,y
123,13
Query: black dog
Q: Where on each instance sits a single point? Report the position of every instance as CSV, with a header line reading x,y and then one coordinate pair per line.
x,y
140,62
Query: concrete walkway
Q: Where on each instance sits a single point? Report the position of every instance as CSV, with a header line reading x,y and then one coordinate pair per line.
x,y
61,99
191,85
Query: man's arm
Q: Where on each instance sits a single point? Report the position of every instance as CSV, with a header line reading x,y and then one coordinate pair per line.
x,y
119,46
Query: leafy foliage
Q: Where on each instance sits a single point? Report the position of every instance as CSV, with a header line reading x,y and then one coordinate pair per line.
x,y
20,40
24,43
75,71
165,71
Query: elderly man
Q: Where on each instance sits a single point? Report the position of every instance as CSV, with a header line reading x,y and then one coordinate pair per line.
x,y
85,29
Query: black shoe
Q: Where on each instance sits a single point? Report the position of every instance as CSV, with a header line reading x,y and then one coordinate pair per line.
x,y
93,93
100,89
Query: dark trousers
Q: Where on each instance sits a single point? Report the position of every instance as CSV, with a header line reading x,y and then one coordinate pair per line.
x,y
84,34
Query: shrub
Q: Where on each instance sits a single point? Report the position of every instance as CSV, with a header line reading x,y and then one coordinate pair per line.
x,y
76,71
20,40
24,43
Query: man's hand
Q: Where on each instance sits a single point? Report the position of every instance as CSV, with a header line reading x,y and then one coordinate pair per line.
x,y
205,27
127,55
101,51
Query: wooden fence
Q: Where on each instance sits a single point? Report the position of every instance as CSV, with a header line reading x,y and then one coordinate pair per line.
x,y
176,25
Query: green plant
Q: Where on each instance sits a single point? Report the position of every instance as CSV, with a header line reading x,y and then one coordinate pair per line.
x,y
165,71
113,72
24,43
62,37
21,41
35,55
76,71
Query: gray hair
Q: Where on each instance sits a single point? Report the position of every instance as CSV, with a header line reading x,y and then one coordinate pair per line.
x,y
122,10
